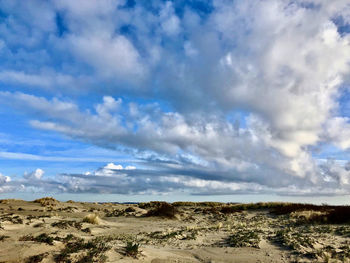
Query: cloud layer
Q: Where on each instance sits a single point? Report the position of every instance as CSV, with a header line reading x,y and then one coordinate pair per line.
x,y
227,97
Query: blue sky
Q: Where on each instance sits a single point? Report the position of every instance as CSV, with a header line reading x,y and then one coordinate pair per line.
x,y
175,100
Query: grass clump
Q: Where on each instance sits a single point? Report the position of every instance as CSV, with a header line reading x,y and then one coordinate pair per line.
x,y
163,209
132,249
3,237
42,238
36,258
244,238
92,219
47,201
64,224
295,240
91,251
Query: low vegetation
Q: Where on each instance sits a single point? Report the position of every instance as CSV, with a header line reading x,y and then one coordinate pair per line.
x,y
3,237
36,258
42,238
244,238
89,251
132,249
305,232
92,219
64,224
163,209
47,201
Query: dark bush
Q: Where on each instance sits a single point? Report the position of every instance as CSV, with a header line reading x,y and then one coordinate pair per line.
x,y
163,209
130,209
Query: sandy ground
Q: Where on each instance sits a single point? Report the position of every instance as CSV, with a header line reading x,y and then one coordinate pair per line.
x,y
54,231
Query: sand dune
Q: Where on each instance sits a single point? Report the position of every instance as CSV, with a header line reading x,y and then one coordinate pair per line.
x,y
47,230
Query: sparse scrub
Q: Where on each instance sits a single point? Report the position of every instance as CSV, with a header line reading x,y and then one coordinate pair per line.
x,y
181,234
3,237
130,209
42,238
86,230
244,238
36,258
132,249
64,224
47,201
294,239
115,213
14,219
163,210
92,251
38,225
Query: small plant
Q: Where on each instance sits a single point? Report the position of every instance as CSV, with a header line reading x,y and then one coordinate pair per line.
x,y
36,258
130,209
92,219
66,224
3,237
115,213
132,249
42,238
244,238
94,250
47,201
86,230
38,225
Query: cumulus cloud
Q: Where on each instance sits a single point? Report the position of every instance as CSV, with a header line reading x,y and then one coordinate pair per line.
x,y
5,183
171,82
4,179
35,175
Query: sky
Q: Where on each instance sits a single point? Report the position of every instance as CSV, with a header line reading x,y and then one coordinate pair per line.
x,y
122,100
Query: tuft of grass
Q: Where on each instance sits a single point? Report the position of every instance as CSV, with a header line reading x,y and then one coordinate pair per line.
x,y
92,219
47,201
38,225
36,258
93,250
86,230
132,249
64,224
130,209
42,238
244,238
3,237
14,219
293,239
115,213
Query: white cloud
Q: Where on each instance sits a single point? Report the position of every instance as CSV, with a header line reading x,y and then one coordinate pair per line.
x,y
113,166
35,175
112,57
4,179
338,130
282,63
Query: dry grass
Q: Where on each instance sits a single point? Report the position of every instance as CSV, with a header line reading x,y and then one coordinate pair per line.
x,y
92,219
47,201
163,209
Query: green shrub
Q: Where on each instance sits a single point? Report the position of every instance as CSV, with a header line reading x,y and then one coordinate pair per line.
x,y
132,249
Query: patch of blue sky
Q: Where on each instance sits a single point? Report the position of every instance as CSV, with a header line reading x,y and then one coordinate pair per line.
x,y
344,103
238,117
23,146
329,151
343,26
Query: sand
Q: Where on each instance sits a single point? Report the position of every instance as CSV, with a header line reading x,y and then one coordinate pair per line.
x,y
52,231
